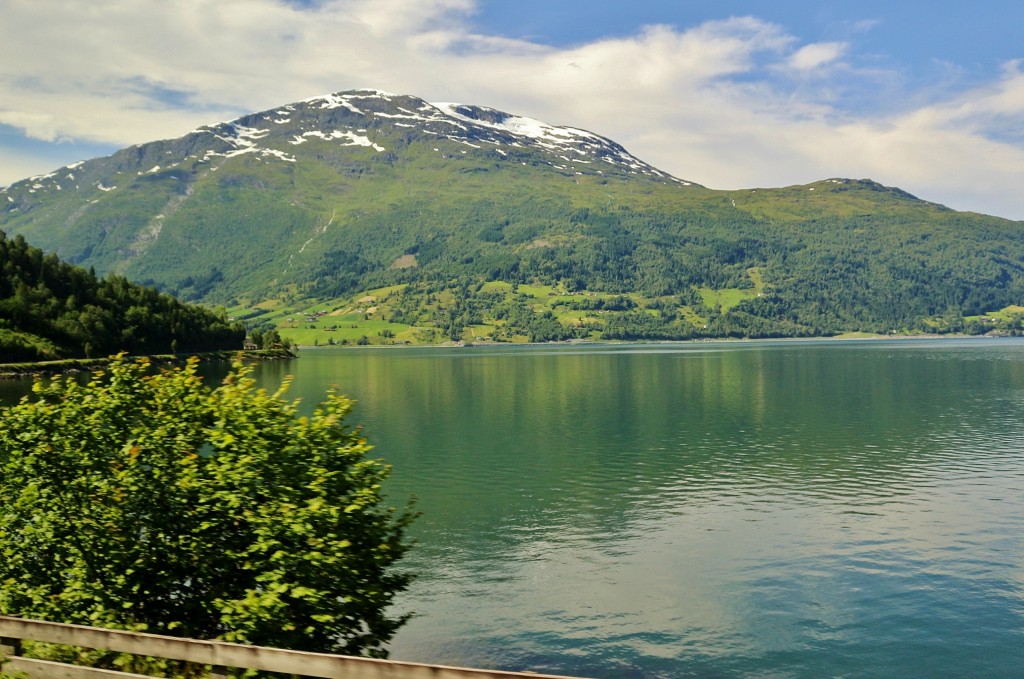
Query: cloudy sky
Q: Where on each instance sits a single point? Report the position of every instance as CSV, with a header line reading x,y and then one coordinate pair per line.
x,y
728,93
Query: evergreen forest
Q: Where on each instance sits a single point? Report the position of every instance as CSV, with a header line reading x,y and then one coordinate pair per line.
x,y
51,310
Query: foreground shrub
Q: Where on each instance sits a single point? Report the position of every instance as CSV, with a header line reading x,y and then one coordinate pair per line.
x,y
156,503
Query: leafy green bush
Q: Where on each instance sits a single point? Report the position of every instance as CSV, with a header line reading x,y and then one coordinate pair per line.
x,y
153,502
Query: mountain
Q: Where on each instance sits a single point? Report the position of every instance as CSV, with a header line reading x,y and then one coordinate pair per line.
x,y
460,221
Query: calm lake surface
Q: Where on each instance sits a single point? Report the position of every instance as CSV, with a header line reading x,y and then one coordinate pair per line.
x,y
761,509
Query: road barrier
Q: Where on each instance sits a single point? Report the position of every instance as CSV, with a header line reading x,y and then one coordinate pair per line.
x,y
218,655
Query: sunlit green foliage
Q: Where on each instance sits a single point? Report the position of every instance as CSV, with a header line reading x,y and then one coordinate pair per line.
x,y
153,502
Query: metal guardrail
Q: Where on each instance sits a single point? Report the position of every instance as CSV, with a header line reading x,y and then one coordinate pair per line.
x,y
219,655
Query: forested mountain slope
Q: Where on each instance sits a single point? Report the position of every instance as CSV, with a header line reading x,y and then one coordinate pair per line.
x,y
50,309
449,209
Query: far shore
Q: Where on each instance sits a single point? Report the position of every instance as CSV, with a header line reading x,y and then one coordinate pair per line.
x,y
850,336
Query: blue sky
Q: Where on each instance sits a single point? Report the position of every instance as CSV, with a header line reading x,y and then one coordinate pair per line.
x,y
915,34
731,94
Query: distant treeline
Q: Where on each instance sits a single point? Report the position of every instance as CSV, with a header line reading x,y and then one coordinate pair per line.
x,y
50,309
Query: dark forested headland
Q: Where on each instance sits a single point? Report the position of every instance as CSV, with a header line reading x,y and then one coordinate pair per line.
x,y
50,310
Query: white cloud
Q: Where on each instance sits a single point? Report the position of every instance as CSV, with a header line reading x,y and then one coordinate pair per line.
x,y
403,17
40,126
816,55
727,103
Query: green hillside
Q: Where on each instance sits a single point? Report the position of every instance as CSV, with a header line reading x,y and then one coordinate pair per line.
x,y
52,310
479,224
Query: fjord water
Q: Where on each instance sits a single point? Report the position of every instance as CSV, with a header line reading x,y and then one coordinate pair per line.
x,y
759,509
791,509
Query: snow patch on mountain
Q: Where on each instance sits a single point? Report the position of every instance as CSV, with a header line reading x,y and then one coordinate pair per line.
x,y
332,101
559,140
344,99
517,125
359,140
298,139
352,138
278,154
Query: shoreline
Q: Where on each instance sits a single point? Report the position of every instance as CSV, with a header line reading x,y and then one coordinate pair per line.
x,y
15,371
846,337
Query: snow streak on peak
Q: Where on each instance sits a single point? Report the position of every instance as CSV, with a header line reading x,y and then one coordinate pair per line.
x,y
518,125
366,93
344,99
583,146
371,92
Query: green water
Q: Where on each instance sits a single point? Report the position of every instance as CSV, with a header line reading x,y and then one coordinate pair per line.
x,y
792,509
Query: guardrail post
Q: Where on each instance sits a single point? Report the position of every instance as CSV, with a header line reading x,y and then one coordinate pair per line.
x,y
218,672
10,647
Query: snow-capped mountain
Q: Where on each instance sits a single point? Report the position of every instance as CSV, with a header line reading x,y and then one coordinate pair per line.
x,y
115,212
356,118
371,119
365,190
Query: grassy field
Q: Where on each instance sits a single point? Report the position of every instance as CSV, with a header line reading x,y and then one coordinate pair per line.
x,y
1008,313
